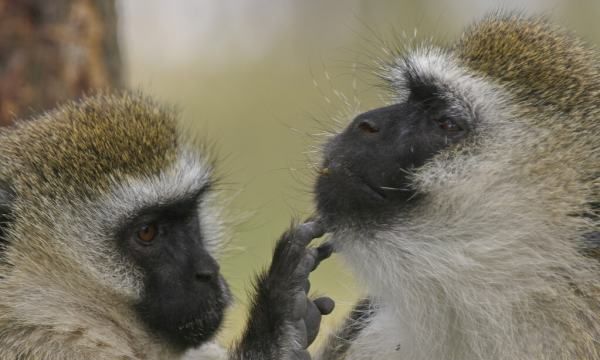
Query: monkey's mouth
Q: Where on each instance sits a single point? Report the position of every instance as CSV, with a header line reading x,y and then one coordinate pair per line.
x,y
359,183
195,331
187,316
344,196
376,191
347,196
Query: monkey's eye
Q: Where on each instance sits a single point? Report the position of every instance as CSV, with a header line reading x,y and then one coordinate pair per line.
x,y
447,124
147,232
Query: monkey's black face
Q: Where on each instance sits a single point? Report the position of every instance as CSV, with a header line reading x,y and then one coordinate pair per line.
x,y
366,169
184,295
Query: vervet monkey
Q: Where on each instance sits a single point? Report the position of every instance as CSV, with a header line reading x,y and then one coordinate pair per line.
x,y
109,230
468,207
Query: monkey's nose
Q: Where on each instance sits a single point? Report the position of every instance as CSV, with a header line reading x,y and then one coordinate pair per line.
x,y
207,272
367,126
206,276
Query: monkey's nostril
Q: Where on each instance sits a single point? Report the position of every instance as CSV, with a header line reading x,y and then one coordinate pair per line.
x,y
368,126
206,276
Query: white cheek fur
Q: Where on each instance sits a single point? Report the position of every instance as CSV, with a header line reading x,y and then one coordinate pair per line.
x,y
185,177
463,278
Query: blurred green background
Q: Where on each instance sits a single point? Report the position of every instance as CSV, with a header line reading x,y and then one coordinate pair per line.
x,y
264,79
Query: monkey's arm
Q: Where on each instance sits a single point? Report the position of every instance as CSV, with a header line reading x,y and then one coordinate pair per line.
x,y
283,321
336,347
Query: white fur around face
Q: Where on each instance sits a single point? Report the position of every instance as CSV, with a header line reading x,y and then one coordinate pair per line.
x,y
470,273
467,94
189,174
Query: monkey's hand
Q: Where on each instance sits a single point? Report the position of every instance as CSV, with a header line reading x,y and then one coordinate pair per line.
x,y
283,320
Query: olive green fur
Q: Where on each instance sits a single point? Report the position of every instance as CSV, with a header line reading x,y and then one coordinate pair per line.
x,y
66,291
82,146
497,261
539,62
553,78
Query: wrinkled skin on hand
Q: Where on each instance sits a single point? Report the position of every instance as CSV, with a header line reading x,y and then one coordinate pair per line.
x,y
284,321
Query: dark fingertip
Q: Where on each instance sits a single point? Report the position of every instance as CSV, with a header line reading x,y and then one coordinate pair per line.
x,y
306,233
320,221
324,251
325,305
318,229
306,286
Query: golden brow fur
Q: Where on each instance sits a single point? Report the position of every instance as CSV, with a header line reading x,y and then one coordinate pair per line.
x,y
72,175
494,263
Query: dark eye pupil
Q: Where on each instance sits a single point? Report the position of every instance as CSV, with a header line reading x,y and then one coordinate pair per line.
x,y
448,124
147,232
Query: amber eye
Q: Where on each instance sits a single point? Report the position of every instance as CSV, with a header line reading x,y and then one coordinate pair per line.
x,y
147,232
448,124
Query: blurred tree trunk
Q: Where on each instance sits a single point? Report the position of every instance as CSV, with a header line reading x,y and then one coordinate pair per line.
x,y
54,50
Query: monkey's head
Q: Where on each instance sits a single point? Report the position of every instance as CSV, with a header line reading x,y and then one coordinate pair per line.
x,y
107,208
502,122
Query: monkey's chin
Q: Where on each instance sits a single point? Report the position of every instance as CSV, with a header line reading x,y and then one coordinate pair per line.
x,y
344,201
351,203
187,319
194,332
186,328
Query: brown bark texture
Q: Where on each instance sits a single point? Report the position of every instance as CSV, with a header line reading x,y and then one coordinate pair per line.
x,y
55,50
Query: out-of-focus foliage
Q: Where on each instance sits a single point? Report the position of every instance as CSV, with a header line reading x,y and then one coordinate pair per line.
x,y
265,79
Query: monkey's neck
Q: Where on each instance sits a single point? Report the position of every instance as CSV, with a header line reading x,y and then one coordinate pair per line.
x,y
470,308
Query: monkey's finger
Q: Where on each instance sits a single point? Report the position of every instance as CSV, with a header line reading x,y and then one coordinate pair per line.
x,y
306,265
312,321
300,237
289,252
325,305
308,231
291,258
299,306
297,238
306,287
301,333
311,256
323,252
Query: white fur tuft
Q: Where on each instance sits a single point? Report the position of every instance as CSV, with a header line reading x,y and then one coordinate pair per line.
x,y
488,266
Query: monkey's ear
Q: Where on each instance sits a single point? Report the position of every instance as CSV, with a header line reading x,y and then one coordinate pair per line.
x,y
426,94
7,196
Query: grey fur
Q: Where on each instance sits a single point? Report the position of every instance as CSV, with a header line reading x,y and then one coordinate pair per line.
x,y
490,265
65,292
